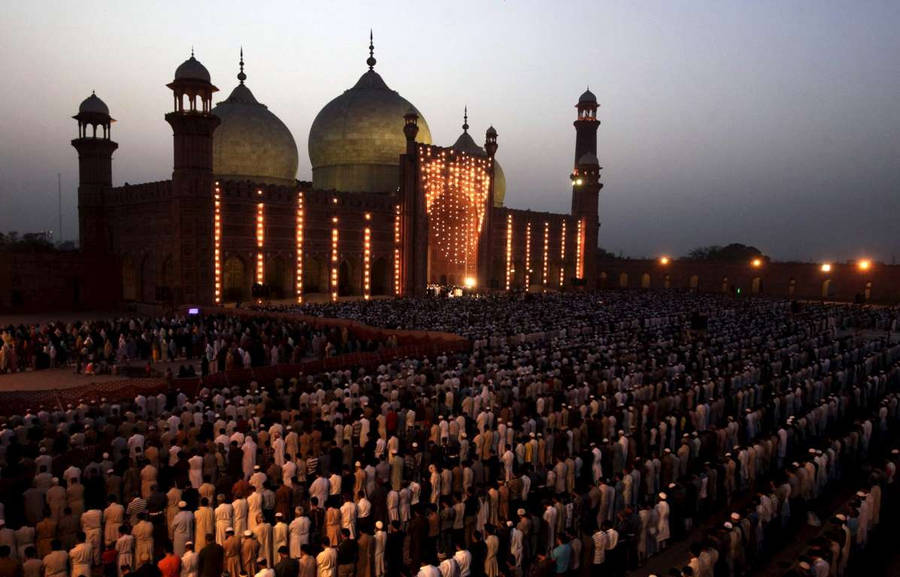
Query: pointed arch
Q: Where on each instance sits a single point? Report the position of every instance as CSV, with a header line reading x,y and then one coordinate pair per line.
x,y
234,279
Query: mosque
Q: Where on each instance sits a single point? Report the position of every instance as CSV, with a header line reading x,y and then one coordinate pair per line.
x,y
388,212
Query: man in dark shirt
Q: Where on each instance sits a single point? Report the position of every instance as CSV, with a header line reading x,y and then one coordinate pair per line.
x,y
211,559
393,550
348,553
287,567
9,567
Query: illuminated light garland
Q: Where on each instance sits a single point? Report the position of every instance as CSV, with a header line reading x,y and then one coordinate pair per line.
x,y
260,240
456,188
367,257
334,259
579,250
509,234
545,268
397,290
527,255
217,243
300,217
562,254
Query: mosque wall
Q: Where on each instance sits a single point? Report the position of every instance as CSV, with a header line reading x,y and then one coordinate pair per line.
x,y
878,283
533,250
51,280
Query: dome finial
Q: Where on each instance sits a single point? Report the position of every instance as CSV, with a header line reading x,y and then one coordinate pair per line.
x,y
241,76
466,118
371,59
192,51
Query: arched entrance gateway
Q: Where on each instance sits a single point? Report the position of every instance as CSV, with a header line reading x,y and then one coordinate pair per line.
x,y
234,281
345,282
380,278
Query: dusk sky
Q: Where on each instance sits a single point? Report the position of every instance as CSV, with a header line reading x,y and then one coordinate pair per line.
x,y
772,123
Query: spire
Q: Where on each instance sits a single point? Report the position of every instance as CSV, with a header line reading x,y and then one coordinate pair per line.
x,y
241,76
371,59
192,51
466,119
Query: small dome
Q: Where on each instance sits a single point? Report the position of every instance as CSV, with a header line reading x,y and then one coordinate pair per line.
x,y
587,98
93,105
356,140
251,143
191,69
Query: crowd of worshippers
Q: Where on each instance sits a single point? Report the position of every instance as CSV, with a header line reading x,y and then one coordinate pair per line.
x,y
575,454
524,313
217,342
750,535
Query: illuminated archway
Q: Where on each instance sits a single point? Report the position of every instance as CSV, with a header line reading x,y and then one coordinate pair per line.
x,y
756,286
645,280
695,282
623,280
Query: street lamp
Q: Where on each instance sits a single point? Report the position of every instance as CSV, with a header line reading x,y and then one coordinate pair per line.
x,y
864,264
826,267
664,260
756,263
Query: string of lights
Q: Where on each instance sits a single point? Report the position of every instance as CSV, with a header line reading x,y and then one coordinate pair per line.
x,y
509,265
260,240
217,243
579,250
299,271
527,255
367,257
397,290
562,253
334,258
545,265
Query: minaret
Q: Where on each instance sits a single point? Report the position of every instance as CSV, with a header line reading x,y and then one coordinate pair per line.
x,y
586,184
193,185
413,217
485,282
94,174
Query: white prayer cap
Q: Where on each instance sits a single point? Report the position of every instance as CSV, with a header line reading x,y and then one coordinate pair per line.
x,y
728,525
248,533
379,525
735,517
663,496
520,512
182,504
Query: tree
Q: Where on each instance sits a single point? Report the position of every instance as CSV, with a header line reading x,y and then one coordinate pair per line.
x,y
734,252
